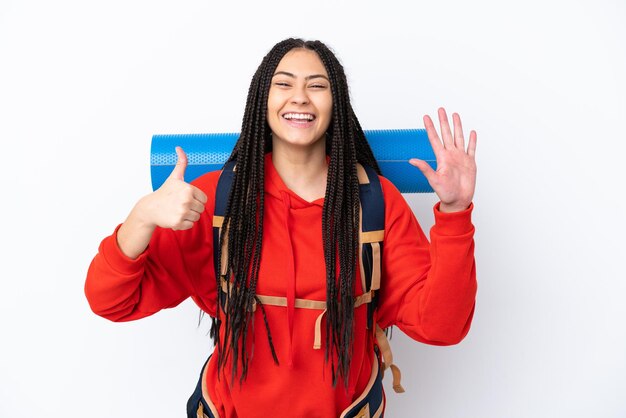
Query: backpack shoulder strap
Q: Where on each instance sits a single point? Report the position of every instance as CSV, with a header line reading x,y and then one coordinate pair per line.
x,y
224,184
371,235
371,239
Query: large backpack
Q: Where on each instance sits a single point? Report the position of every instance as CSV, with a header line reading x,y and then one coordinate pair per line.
x,y
371,236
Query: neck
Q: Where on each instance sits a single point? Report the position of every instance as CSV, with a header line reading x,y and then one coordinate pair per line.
x,y
303,170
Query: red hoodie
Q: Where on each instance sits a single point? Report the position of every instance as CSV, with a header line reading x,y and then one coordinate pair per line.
x,y
427,290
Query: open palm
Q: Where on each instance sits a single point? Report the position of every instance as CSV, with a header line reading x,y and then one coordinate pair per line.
x,y
455,179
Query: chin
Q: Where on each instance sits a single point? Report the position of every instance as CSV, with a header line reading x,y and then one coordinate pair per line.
x,y
300,141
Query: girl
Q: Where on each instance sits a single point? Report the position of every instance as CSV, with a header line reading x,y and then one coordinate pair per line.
x,y
289,308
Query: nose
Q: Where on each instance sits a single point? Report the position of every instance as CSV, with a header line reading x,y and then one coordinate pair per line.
x,y
299,95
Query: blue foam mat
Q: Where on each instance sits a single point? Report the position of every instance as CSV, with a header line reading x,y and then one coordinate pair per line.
x,y
207,152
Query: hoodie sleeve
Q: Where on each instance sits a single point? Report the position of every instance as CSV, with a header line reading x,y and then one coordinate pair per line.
x,y
175,266
427,289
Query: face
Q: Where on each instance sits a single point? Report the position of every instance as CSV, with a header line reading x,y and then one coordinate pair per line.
x,y
300,102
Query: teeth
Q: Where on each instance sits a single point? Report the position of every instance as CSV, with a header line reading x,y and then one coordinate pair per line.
x,y
301,116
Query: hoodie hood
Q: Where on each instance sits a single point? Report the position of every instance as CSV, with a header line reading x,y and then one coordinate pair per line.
x,y
290,202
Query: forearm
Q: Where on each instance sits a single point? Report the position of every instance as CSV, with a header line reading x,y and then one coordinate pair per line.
x,y
121,289
441,307
134,235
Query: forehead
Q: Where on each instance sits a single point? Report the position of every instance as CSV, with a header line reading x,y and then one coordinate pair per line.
x,y
300,61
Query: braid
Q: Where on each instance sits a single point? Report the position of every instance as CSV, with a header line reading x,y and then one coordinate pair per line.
x,y
243,221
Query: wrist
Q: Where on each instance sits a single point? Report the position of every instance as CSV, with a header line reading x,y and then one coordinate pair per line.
x,y
140,214
450,208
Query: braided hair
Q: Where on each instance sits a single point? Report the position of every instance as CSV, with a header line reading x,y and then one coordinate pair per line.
x,y
243,221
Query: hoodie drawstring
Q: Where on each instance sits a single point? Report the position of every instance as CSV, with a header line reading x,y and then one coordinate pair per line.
x,y
291,276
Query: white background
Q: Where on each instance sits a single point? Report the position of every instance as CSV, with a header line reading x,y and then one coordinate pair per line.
x,y
84,86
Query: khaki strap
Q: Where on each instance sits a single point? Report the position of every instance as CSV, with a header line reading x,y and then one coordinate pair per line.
x,y
299,303
361,268
224,251
218,221
306,304
200,413
317,340
368,387
282,301
385,349
397,376
226,285
379,412
362,299
310,304
364,412
376,267
372,236
270,300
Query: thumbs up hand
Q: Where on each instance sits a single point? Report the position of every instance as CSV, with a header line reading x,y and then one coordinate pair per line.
x,y
178,172
176,204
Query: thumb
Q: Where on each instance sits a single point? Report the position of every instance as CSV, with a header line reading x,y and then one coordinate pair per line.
x,y
181,165
424,167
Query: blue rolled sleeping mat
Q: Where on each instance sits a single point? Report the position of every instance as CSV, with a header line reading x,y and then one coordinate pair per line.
x,y
207,152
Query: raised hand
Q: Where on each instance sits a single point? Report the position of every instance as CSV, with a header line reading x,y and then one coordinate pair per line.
x,y
176,204
454,181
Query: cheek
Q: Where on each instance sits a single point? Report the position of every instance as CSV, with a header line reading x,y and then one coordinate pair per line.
x,y
270,103
272,108
274,99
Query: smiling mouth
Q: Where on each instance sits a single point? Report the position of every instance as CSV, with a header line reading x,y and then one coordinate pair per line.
x,y
299,117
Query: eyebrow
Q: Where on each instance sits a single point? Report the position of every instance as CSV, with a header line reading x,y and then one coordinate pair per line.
x,y
309,77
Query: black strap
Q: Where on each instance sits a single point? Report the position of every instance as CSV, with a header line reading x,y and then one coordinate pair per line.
x,y
373,219
222,192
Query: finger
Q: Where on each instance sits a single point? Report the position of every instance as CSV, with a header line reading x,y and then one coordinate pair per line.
x,y
199,195
181,165
424,167
183,225
435,142
471,147
459,141
192,216
446,133
196,206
